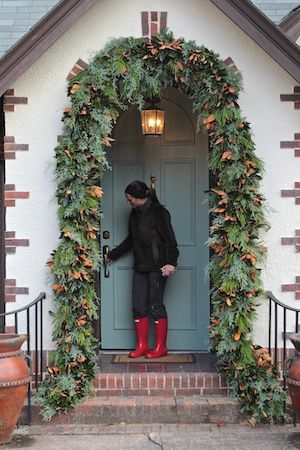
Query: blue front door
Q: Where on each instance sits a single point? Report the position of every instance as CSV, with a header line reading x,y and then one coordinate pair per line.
x,y
178,161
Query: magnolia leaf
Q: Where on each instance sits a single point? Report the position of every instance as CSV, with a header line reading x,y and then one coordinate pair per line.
x,y
58,288
219,140
96,191
231,218
237,336
81,359
209,119
106,140
179,65
217,191
219,210
226,155
74,88
81,322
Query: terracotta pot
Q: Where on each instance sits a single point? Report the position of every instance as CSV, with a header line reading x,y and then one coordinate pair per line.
x,y
14,379
293,374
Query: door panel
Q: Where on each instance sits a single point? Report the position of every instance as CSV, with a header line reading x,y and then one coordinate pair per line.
x,y
177,178
122,174
179,163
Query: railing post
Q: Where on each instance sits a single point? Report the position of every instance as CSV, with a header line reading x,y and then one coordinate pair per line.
x,y
284,347
270,324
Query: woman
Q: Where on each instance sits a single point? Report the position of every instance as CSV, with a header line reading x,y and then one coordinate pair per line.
x,y
155,253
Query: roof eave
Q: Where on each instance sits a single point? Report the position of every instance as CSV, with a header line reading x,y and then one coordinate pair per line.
x,y
291,24
264,32
22,55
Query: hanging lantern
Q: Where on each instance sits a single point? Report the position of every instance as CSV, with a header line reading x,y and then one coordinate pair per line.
x,y
153,119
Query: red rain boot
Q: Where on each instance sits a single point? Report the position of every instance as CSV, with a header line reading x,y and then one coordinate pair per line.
x,y
141,329
161,331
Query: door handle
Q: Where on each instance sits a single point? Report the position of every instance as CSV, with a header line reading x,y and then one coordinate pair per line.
x,y
105,251
153,183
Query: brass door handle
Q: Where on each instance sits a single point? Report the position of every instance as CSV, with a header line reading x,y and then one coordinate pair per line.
x,y
153,183
105,251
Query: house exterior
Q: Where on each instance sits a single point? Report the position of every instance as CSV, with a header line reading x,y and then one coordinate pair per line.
x,y
33,89
291,24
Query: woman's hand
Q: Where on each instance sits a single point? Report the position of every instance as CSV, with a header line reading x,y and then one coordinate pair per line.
x,y
107,259
168,270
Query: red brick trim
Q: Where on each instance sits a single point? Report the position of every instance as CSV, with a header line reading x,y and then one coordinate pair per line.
x,y
295,144
292,288
11,243
11,195
229,61
153,22
10,147
292,240
295,97
157,383
293,192
78,67
11,290
10,100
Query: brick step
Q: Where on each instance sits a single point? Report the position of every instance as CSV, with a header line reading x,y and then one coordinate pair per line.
x,y
144,409
160,383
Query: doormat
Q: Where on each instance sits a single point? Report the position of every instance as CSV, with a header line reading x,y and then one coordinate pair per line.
x,y
179,358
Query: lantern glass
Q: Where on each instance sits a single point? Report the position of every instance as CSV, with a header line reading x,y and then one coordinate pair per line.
x,y
153,120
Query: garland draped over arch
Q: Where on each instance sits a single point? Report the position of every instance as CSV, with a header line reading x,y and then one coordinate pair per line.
x,y
127,71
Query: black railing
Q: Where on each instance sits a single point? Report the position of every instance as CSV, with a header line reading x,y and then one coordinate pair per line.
x,y
281,316
20,321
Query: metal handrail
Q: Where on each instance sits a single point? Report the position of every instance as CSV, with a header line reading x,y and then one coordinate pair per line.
x,y
274,305
40,297
37,306
272,296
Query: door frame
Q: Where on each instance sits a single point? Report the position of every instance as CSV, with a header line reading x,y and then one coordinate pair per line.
x,y
2,210
98,333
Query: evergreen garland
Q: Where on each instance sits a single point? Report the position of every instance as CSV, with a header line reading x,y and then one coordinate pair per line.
x,y
127,71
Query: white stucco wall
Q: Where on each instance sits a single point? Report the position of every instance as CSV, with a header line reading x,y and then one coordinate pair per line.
x,y
39,123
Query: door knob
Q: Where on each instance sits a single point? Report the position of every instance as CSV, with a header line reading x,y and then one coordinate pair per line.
x,y
105,251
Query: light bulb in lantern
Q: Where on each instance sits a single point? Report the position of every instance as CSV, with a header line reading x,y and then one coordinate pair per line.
x,y
153,119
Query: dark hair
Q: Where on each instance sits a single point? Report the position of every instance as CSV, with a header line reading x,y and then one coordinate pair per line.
x,y
139,189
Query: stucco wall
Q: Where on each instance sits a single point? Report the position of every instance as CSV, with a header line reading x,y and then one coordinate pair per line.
x,y
39,123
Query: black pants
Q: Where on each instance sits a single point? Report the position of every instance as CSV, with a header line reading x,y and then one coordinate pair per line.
x,y
148,295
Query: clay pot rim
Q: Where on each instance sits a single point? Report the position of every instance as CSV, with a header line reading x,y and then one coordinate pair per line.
x,y
295,340
11,336
11,342
295,337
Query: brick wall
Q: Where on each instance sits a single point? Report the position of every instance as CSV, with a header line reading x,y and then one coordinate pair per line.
x,y
293,192
12,196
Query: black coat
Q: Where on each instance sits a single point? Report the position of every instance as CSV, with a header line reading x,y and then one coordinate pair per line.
x,y
151,237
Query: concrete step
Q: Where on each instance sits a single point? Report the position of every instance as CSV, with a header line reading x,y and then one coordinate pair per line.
x,y
145,409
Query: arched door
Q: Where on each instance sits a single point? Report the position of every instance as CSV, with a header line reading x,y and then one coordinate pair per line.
x,y
179,162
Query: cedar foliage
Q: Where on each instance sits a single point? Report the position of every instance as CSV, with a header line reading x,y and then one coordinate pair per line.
x,y
127,71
